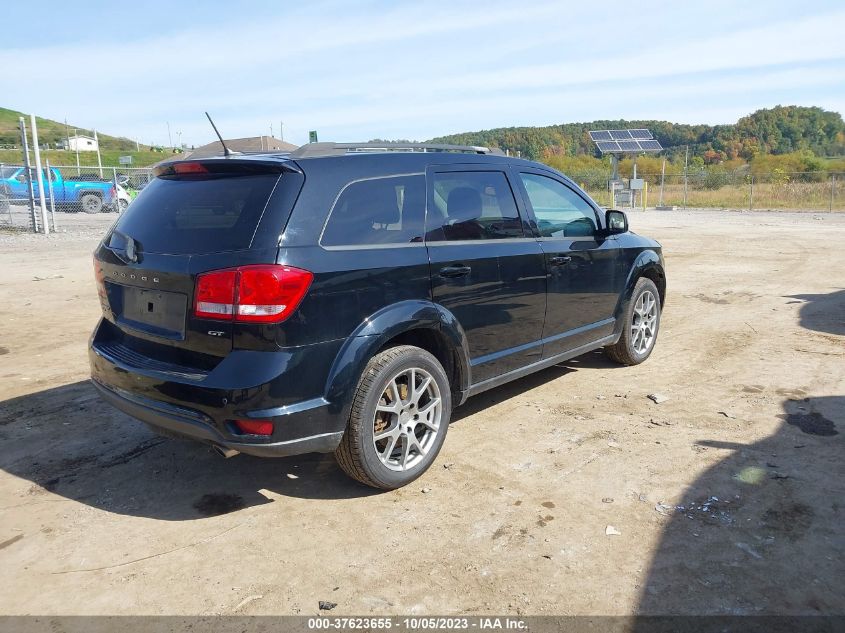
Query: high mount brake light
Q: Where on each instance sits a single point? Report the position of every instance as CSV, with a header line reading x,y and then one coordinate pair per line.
x,y
189,168
263,293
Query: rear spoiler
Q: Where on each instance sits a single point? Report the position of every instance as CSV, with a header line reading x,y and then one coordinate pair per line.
x,y
224,167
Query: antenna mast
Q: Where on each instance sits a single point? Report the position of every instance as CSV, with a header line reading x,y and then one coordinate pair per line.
x,y
226,151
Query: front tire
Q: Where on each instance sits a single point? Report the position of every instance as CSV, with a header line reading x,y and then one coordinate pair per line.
x,y
640,326
91,203
398,420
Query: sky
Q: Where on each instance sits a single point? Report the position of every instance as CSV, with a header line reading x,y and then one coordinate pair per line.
x,y
355,71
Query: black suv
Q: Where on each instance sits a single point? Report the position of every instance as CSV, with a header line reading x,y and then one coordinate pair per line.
x,y
346,297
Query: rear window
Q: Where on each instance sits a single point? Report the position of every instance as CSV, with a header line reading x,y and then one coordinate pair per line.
x,y
199,213
378,211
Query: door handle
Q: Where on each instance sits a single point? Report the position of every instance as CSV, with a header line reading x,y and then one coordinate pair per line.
x,y
455,271
559,260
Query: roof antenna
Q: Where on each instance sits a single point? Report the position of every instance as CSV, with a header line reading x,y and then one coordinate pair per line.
x,y
226,151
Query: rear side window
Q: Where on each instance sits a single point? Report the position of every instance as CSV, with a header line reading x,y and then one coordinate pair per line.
x,y
199,213
560,212
475,205
378,211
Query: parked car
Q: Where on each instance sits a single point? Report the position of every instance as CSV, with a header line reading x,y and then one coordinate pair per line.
x,y
123,198
338,300
69,194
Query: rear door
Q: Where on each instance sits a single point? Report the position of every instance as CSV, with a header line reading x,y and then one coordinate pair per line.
x,y
194,218
486,267
580,261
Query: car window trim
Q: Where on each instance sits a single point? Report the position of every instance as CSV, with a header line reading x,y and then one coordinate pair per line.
x,y
336,247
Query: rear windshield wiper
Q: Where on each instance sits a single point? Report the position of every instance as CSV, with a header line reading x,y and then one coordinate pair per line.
x,y
129,254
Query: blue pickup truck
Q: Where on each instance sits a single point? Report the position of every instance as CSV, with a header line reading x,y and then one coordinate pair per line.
x,y
70,194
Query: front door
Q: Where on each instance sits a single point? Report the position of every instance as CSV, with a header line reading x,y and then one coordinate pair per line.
x,y
580,262
486,268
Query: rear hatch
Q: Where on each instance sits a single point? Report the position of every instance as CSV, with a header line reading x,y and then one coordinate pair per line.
x,y
195,217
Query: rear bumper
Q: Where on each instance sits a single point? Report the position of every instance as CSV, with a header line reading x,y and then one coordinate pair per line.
x,y
284,387
195,426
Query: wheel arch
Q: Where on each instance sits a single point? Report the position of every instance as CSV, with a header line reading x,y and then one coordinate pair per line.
x,y
648,264
420,323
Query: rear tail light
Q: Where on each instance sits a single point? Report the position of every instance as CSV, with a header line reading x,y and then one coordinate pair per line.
x,y
264,293
255,427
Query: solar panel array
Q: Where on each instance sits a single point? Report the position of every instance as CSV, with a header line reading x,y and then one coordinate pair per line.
x,y
625,141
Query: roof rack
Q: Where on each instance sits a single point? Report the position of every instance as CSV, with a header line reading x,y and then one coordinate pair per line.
x,y
310,150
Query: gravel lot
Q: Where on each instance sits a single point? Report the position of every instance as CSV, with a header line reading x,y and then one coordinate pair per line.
x,y
727,497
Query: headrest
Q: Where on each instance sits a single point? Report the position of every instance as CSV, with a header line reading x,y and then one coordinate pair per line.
x,y
463,204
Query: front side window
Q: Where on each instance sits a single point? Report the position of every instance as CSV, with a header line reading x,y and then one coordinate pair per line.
x,y
476,205
378,211
560,212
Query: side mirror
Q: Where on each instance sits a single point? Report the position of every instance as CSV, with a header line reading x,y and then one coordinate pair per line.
x,y
21,178
616,222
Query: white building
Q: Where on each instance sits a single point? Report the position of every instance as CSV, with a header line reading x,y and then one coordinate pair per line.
x,y
82,143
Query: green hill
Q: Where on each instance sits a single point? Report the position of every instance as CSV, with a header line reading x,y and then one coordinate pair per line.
x,y
52,132
778,130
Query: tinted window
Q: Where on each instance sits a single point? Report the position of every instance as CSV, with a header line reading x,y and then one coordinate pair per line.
x,y
560,212
198,214
378,211
477,205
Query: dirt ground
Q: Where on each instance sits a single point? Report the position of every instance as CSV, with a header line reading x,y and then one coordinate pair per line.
x,y
727,497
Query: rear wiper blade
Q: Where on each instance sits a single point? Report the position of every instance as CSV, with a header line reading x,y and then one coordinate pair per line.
x,y
130,251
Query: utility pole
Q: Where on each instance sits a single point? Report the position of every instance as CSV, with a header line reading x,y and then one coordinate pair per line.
x,y
281,130
67,135
686,163
28,175
271,131
39,174
169,138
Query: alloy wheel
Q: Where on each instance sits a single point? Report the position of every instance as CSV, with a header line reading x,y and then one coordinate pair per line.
x,y
644,322
407,419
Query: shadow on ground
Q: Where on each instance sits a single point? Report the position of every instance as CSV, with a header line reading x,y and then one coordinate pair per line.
x,y
760,532
822,313
69,442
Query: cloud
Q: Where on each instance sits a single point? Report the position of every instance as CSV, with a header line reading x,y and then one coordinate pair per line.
x,y
424,69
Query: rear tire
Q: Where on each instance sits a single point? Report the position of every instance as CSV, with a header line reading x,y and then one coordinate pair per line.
x,y
640,326
399,418
91,203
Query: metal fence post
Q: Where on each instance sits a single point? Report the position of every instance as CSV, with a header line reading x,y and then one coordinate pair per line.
x,y
99,160
116,196
39,174
686,162
832,185
28,175
5,202
52,199
662,179
751,196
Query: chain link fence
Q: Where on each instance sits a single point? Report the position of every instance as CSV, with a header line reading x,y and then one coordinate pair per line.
x,y
93,189
67,189
722,189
